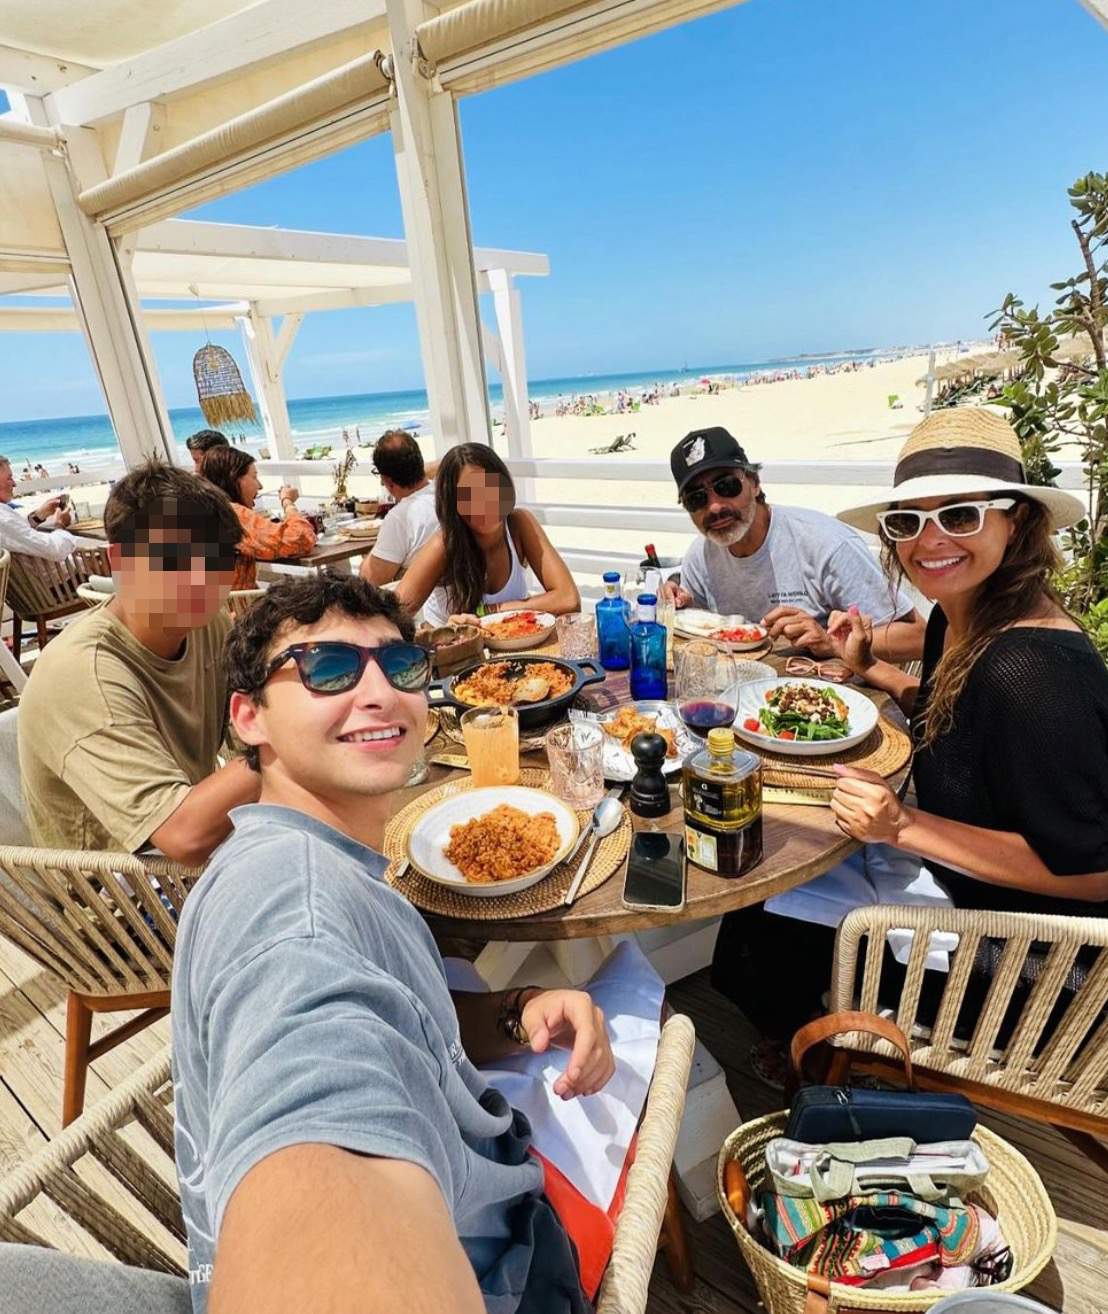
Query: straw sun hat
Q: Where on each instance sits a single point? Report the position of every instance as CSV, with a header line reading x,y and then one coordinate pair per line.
x,y
963,450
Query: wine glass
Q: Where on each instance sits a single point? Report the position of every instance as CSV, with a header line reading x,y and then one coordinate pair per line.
x,y
707,691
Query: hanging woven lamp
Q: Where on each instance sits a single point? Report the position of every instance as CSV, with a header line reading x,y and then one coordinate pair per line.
x,y
219,386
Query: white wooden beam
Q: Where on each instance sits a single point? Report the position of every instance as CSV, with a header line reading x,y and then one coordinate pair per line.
x,y
141,126
64,319
195,237
286,336
339,299
513,375
23,70
263,32
108,308
265,368
428,154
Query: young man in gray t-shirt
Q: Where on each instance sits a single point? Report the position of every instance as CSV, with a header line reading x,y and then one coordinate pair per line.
x,y
336,1145
794,571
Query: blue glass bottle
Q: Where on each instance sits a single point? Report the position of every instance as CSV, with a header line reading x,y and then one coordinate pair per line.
x,y
648,651
612,634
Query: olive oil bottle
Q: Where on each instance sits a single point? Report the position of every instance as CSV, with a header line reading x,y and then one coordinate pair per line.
x,y
722,789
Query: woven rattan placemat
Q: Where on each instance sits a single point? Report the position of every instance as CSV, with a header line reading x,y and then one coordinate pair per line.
x,y
885,751
544,896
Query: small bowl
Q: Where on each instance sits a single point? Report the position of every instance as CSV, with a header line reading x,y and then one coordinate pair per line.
x,y
451,645
364,507
491,625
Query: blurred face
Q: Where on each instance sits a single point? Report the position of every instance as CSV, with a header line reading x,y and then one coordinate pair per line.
x,y
483,501
250,486
943,565
725,520
197,458
341,746
7,482
174,580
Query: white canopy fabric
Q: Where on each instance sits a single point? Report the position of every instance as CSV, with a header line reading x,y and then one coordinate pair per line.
x,y
357,81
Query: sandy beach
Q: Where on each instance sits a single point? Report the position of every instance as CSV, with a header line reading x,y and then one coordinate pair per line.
x,y
831,417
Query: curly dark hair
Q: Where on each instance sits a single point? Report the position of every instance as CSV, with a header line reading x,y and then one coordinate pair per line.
x,y
259,630
396,455
224,467
464,577
157,495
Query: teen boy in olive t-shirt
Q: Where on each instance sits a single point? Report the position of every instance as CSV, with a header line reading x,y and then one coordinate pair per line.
x,y
121,721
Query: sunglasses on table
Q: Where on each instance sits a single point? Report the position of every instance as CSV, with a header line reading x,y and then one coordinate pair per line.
x,y
835,672
728,485
959,520
332,666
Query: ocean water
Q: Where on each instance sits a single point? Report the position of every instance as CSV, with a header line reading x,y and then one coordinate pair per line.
x,y
90,440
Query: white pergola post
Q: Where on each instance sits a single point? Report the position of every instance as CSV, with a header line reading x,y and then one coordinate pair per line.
x,y
513,373
431,177
266,359
107,306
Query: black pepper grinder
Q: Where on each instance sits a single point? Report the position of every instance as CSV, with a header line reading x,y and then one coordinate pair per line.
x,y
649,791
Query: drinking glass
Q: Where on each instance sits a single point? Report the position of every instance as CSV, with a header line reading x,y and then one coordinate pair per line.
x,y
575,752
707,693
491,736
666,615
576,635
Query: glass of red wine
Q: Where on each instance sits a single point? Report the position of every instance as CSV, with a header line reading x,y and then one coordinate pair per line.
x,y
707,690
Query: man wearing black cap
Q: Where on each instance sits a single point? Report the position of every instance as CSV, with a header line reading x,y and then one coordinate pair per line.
x,y
787,567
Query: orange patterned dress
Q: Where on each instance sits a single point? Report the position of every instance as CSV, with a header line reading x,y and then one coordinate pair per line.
x,y
268,540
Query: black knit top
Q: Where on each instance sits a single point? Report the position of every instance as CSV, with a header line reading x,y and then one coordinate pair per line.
x,y
1028,753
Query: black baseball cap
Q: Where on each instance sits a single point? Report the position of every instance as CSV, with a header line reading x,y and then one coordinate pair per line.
x,y
705,449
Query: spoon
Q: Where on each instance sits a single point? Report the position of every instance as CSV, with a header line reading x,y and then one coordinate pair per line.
x,y
606,816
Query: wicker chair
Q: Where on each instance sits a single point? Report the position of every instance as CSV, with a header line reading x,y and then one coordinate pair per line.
x,y
143,1098
10,668
1061,1080
97,921
41,590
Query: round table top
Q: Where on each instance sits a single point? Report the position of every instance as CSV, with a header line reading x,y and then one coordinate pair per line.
x,y
800,841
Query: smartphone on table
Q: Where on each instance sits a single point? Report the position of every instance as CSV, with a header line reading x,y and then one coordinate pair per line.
x,y
655,880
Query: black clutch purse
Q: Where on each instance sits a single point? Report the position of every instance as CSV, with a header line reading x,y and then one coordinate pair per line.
x,y
822,1115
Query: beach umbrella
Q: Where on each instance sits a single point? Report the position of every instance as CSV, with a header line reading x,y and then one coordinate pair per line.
x,y
219,386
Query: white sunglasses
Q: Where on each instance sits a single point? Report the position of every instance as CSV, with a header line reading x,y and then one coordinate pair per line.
x,y
959,520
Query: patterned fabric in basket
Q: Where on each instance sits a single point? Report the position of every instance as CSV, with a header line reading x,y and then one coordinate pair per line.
x,y
854,1239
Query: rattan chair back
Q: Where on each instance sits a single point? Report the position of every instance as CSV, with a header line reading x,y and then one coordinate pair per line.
x,y
38,587
96,920
110,1173
1066,958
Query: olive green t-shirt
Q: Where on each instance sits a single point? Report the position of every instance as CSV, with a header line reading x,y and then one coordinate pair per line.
x,y
112,736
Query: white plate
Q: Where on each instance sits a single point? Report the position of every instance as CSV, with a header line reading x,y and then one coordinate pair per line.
x,y
692,623
490,624
618,762
431,835
861,717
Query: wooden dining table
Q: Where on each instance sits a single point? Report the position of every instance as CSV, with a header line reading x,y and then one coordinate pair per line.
x,y
800,842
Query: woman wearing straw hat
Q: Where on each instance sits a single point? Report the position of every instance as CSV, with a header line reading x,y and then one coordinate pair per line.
x,y
1010,717
1010,721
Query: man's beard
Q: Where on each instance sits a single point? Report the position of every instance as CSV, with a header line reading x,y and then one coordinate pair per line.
x,y
733,532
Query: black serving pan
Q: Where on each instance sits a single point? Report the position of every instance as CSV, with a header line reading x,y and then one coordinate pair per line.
x,y
584,672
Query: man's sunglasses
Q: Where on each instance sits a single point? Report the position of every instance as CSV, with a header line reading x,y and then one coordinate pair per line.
x,y
959,520
179,554
333,667
696,499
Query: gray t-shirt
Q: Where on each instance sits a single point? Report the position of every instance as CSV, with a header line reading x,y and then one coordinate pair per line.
x,y
808,560
310,1005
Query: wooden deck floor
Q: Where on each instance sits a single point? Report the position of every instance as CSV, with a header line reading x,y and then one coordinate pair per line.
x,y
32,1023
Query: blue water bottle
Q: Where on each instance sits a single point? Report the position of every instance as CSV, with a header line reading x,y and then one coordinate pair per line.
x,y
612,633
648,651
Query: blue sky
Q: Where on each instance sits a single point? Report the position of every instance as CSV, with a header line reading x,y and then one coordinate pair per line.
x,y
786,176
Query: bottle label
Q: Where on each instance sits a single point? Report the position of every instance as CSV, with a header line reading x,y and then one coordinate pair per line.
x,y
701,848
705,797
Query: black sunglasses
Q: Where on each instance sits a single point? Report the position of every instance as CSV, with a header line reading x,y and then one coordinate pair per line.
x,y
179,554
332,666
728,485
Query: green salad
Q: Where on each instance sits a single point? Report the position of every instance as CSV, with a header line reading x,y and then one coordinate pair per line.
x,y
805,712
